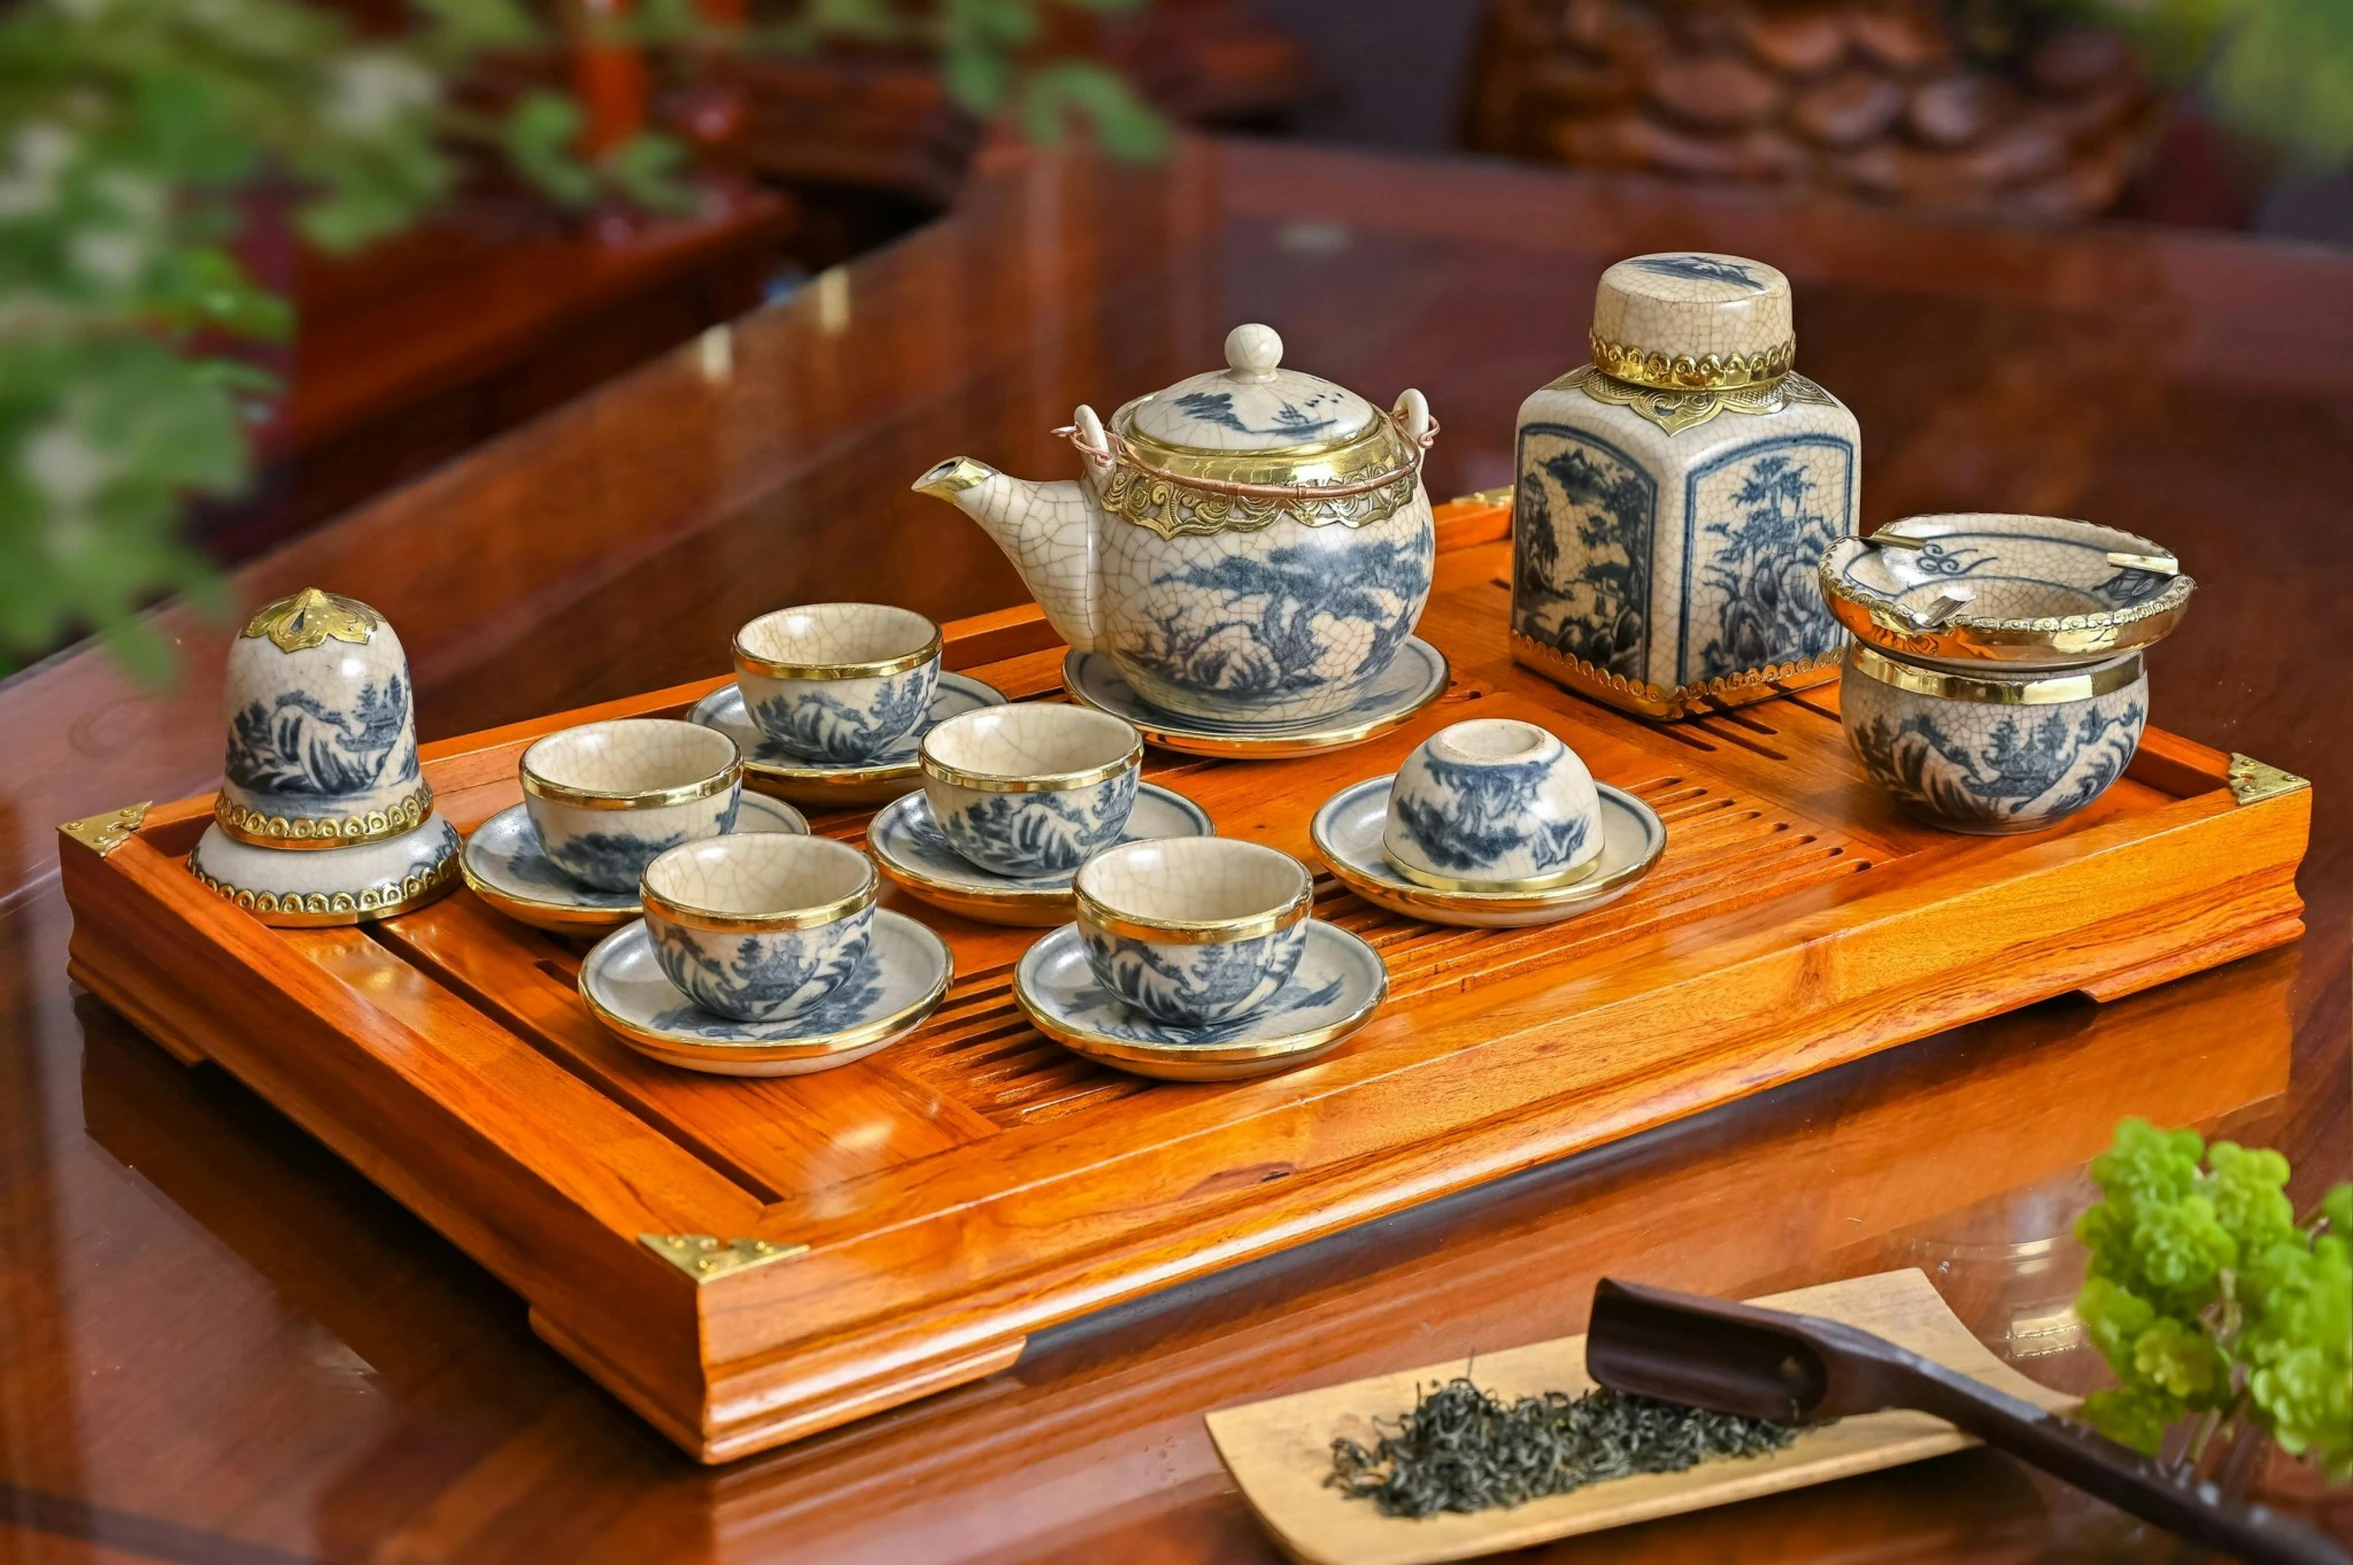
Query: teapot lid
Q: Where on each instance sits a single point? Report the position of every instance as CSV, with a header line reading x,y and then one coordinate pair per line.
x,y
1253,404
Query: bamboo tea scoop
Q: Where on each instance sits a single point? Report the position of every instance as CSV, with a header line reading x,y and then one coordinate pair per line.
x,y
1735,1358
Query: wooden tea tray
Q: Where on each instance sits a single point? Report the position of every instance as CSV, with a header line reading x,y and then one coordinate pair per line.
x,y
745,1262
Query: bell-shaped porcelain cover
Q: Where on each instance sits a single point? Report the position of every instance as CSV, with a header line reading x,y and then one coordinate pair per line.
x,y
1253,404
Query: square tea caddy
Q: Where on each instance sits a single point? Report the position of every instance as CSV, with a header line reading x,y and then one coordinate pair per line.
x,y
1674,496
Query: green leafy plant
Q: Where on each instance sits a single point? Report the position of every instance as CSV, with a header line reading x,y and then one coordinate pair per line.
x,y
2277,71
138,136
2211,1300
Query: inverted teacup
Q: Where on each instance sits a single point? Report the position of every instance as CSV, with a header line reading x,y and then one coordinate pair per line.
x,y
1193,930
838,682
607,797
760,925
1493,804
1031,789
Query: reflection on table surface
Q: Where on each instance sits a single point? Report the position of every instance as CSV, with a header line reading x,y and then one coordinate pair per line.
x,y
217,1341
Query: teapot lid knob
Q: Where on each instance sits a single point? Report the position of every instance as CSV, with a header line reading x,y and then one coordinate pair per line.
x,y
1252,352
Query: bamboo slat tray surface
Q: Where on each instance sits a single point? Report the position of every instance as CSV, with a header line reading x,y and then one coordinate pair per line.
x,y
1280,1450
745,1262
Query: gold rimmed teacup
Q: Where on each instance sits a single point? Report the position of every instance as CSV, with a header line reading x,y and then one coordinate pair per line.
x,y
607,797
1193,931
760,925
838,683
1029,790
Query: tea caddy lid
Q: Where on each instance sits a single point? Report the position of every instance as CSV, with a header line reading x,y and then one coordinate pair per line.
x,y
1686,320
1253,404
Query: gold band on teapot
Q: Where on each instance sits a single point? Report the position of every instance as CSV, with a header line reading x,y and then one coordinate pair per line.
x,y
1174,490
1688,372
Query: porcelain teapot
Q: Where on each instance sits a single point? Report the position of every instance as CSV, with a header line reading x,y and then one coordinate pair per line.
x,y
1252,545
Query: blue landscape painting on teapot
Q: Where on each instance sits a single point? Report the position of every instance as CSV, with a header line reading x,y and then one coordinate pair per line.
x,y
1252,545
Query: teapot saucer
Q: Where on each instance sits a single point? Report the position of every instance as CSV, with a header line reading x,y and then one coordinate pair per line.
x,y
909,849
1340,982
1416,677
1347,836
906,972
772,769
505,866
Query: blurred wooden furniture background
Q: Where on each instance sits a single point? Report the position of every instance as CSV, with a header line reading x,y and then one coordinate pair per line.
x,y
423,347
1872,98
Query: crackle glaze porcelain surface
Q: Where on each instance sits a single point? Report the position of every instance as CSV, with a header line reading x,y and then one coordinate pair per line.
x,y
628,765
819,892
795,670
1992,765
1348,832
985,774
909,848
1492,799
882,777
906,972
1416,677
1232,591
2034,591
350,885
1665,540
321,734
507,868
1229,890
1332,990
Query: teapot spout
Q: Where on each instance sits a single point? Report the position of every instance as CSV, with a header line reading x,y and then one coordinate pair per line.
x,y
1047,530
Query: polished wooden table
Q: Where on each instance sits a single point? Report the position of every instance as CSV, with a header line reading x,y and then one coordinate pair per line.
x,y
218,1343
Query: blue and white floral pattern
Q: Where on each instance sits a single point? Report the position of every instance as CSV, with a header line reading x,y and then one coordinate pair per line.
x,y
1482,819
1983,767
1757,520
1581,528
1048,832
1249,633
763,976
297,744
1195,985
1702,269
843,721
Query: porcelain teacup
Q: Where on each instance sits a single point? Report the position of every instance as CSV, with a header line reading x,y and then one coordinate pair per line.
x,y
838,683
1493,804
760,925
1193,930
607,797
1031,789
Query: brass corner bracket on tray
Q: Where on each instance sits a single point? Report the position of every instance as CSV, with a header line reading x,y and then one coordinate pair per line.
x,y
2252,780
707,1259
106,832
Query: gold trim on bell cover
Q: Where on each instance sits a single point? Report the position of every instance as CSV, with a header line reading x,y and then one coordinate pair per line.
x,y
1686,372
310,833
333,909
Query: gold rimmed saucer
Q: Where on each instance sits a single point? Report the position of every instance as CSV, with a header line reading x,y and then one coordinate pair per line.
x,y
1338,985
910,851
771,769
1417,676
505,866
1347,836
902,982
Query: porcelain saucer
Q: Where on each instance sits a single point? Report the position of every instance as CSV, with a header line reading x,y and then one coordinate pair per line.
x,y
1347,835
901,984
505,866
1415,678
908,847
772,769
1340,983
